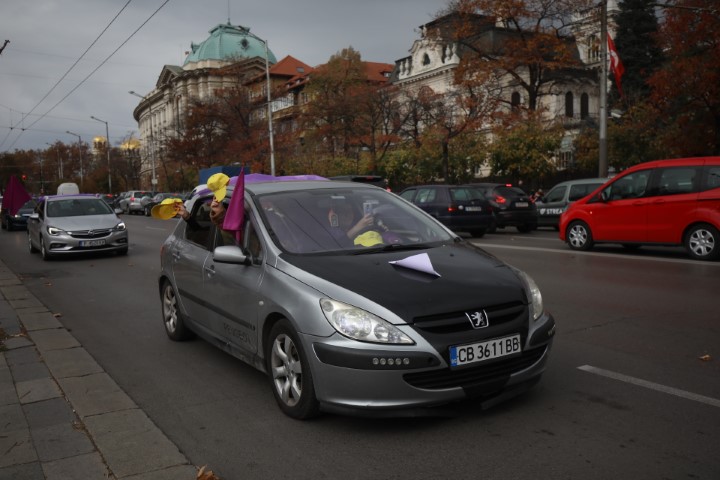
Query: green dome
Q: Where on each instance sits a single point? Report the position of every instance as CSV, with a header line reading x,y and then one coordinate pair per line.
x,y
227,42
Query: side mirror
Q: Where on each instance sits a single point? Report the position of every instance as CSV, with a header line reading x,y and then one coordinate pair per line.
x,y
34,216
230,254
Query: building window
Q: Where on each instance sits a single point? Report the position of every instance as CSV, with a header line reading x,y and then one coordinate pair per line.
x,y
515,100
569,109
426,59
584,106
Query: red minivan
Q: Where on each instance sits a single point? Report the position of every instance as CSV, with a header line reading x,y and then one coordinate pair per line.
x,y
663,202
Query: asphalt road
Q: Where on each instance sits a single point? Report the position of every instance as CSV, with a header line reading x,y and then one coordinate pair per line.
x,y
626,393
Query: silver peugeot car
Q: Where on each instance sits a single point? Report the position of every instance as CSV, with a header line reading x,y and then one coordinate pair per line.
x,y
68,224
388,319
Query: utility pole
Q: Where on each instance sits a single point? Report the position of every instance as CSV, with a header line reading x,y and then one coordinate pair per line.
x,y
107,147
602,146
79,155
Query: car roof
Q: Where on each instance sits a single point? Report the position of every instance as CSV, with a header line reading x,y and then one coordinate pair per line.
x,y
77,196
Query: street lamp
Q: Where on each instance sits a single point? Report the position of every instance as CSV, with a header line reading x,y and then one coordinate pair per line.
x,y
59,160
79,155
269,100
152,138
107,147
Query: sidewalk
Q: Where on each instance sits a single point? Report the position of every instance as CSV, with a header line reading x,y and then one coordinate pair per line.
x,y
61,415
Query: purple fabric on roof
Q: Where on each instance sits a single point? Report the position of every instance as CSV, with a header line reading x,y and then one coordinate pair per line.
x,y
261,177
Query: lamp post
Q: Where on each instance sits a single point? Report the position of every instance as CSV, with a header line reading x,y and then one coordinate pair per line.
x,y
269,101
152,139
107,147
79,155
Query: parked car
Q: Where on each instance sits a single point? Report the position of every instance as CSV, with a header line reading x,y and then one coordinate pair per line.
x,y
460,208
557,200
67,224
512,206
132,201
664,202
423,318
149,202
19,220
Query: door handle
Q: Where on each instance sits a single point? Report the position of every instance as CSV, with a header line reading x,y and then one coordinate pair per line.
x,y
210,270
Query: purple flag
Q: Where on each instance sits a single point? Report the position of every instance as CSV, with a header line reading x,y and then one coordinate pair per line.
x,y
15,196
236,210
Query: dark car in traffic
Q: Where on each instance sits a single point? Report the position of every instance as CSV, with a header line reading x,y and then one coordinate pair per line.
x,y
460,208
512,206
149,202
19,220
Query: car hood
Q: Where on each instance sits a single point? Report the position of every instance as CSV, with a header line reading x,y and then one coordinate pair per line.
x,y
85,222
469,278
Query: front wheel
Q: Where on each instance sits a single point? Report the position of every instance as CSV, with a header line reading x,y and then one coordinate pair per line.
x,y
31,247
289,372
701,242
175,327
44,252
579,236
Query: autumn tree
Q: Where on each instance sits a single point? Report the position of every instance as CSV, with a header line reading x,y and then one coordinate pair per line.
x,y
686,89
524,44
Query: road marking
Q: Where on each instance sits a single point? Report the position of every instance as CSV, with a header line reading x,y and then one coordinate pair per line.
x,y
652,386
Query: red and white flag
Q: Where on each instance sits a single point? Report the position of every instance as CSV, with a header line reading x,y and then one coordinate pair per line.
x,y
616,66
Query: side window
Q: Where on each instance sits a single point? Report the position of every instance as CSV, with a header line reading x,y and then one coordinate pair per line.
x,y
676,181
408,195
253,246
630,186
712,177
425,195
198,226
579,191
555,195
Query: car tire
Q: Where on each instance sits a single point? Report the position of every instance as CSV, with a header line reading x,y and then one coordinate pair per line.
x,y
579,236
478,233
147,211
701,242
524,228
289,372
31,248
173,320
43,250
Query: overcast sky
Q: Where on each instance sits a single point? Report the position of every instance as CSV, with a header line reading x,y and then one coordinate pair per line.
x,y
47,37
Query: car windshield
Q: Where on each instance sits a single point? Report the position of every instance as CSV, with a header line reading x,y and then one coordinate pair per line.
x,y
77,207
331,220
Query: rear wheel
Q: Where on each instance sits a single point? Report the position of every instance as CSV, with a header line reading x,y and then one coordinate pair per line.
x,y
524,228
172,318
579,236
701,242
478,233
289,372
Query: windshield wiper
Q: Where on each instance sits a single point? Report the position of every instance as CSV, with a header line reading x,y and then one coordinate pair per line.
x,y
393,247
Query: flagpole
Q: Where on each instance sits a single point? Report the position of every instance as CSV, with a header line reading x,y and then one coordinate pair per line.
x,y
602,146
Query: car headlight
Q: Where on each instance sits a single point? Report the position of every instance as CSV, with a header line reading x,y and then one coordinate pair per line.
x,y
120,227
358,324
55,231
532,291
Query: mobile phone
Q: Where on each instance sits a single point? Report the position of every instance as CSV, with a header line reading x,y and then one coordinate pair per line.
x,y
334,220
367,208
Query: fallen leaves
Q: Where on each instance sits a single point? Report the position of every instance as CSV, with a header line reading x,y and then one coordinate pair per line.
x,y
203,475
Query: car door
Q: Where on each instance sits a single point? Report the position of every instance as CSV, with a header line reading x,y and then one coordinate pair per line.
x,y
189,254
622,216
231,292
674,195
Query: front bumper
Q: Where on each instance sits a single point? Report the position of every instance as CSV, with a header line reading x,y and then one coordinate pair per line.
x,y
66,244
382,380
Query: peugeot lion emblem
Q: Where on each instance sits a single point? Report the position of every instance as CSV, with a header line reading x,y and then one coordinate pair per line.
x,y
478,319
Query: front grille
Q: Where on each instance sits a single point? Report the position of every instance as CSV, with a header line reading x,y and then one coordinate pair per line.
x,y
453,322
472,376
90,234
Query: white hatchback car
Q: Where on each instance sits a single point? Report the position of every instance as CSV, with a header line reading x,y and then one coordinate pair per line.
x,y
67,224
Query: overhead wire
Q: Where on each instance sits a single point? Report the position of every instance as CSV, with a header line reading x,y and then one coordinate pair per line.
x,y
95,70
